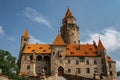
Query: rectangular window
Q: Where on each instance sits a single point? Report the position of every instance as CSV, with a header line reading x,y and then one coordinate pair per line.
x,y
95,70
69,70
78,70
103,61
95,62
68,61
111,73
82,59
110,65
87,70
87,62
77,62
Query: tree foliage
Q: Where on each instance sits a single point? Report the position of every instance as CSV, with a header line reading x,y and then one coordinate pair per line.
x,y
118,73
8,64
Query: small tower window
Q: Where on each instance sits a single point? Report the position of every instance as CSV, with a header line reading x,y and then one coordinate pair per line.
x,y
25,39
74,29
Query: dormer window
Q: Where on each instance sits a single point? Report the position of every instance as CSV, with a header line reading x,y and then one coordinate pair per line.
x,y
72,53
29,47
44,50
40,48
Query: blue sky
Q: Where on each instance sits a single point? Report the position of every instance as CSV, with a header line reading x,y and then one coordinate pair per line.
x,y
43,18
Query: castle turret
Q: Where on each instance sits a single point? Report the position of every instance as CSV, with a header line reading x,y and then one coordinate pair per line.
x,y
102,52
69,29
24,40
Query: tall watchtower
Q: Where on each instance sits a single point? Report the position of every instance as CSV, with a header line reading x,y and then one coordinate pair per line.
x,y
69,29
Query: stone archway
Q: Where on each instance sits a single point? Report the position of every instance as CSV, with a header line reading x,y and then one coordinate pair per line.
x,y
60,71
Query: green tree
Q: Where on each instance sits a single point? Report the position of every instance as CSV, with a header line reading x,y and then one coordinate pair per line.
x,y
8,64
118,73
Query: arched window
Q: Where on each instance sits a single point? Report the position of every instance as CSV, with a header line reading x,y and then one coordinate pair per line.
x,y
39,58
53,53
45,67
28,67
95,62
31,57
46,58
60,71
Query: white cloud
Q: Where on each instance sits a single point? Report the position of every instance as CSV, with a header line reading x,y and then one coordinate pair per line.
x,y
1,30
35,16
118,65
34,40
110,38
11,38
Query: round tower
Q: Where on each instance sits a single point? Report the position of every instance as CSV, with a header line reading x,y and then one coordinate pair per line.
x,y
69,29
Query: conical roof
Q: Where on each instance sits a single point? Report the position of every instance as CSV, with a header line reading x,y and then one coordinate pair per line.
x,y
26,34
58,40
68,13
100,45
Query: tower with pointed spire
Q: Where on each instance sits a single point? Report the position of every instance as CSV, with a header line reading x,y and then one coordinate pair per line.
x,y
24,39
69,29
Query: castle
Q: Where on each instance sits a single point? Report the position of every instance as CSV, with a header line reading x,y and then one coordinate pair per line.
x,y
66,57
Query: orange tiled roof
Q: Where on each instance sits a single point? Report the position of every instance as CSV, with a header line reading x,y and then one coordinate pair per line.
x,y
109,59
85,50
100,45
26,34
58,40
71,50
37,48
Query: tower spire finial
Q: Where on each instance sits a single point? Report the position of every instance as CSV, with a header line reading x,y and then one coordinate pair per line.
x,y
26,34
99,36
58,30
68,13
